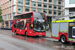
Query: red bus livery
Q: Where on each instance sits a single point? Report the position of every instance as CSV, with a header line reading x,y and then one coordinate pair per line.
x,y
30,24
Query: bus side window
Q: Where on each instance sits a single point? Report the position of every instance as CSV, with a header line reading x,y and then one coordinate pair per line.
x,y
14,26
31,15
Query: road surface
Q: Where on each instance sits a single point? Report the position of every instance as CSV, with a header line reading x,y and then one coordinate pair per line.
x,y
9,41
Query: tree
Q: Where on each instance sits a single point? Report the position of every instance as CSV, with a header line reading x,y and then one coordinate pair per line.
x,y
1,15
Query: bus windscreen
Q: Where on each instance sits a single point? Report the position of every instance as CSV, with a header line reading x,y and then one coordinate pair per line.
x,y
39,15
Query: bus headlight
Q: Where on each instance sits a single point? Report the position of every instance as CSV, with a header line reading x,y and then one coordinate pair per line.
x,y
41,20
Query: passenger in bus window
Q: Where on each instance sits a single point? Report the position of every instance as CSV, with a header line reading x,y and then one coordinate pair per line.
x,y
25,24
34,26
20,24
39,28
31,15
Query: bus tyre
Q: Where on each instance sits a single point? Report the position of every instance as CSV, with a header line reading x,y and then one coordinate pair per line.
x,y
15,32
26,33
63,39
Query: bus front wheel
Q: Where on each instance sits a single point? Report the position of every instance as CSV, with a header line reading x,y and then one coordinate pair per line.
x,y
63,39
26,33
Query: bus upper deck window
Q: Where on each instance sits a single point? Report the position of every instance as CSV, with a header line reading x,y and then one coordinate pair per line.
x,y
31,15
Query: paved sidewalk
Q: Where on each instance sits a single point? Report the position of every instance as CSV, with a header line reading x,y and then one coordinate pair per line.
x,y
48,33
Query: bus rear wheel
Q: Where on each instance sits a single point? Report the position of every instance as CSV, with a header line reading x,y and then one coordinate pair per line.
x,y
63,39
15,33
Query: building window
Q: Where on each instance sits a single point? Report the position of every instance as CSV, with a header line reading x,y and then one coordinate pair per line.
x,y
3,24
50,6
45,5
20,2
34,0
45,0
14,1
20,8
55,12
55,7
12,15
60,2
59,12
72,1
55,2
33,9
7,17
7,24
50,1
33,3
60,7
45,11
72,10
40,0
39,5
27,9
3,17
27,2
50,12
39,10
14,8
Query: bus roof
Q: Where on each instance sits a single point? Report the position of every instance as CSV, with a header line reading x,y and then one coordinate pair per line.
x,y
60,21
23,13
26,13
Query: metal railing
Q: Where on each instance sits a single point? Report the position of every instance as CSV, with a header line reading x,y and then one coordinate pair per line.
x,y
60,17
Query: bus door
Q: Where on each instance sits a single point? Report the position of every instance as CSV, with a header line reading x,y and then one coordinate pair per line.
x,y
15,28
30,29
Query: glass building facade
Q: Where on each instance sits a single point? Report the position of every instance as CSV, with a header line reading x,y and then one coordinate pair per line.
x,y
72,1
51,8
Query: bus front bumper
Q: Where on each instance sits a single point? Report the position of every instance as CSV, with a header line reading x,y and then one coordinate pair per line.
x,y
40,34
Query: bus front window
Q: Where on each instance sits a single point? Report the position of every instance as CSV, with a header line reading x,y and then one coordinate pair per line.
x,y
39,15
39,27
39,22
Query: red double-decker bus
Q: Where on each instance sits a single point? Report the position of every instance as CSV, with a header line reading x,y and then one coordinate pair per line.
x,y
30,24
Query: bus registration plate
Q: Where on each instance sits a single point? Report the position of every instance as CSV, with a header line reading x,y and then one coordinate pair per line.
x,y
40,35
